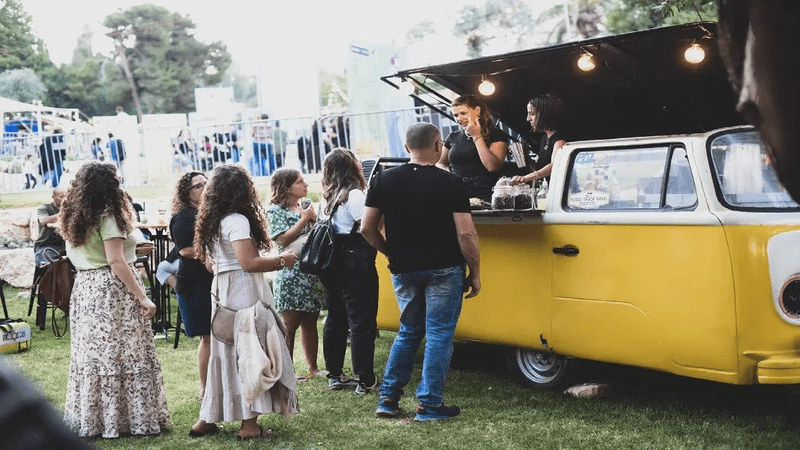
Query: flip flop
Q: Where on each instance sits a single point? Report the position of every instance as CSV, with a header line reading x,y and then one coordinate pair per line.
x,y
302,379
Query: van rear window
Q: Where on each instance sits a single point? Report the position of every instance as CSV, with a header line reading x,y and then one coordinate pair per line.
x,y
744,178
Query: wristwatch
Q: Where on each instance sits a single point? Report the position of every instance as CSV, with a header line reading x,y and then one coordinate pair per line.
x,y
281,262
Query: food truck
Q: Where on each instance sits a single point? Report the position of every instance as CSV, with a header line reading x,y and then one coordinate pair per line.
x,y
664,241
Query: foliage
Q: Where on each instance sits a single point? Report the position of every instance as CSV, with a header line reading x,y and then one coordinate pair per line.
x,y
245,88
22,85
8,243
166,61
19,48
479,24
635,15
331,87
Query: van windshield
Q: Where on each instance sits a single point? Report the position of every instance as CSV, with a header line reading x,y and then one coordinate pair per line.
x,y
744,177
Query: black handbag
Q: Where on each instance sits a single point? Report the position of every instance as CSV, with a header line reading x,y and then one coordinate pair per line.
x,y
317,252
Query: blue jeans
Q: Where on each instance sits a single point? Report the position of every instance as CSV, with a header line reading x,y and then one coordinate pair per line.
x,y
430,303
263,162
54,176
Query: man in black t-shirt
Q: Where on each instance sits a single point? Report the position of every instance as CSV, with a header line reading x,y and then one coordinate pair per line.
x,y
429,237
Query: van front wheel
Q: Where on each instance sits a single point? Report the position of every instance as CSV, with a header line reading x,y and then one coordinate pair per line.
x,y
541,370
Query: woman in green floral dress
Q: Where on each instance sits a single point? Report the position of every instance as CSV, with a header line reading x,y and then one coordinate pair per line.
x,y
299,297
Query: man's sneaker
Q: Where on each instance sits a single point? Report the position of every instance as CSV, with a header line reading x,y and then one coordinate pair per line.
x,y
363,389
425,413
337,383
387,408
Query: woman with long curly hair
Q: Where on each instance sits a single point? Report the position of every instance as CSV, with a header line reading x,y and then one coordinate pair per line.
x,y
193,285
230,231
351,287
299,297
115,384
478,150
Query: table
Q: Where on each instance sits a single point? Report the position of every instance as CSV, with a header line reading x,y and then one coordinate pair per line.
x,y
162,321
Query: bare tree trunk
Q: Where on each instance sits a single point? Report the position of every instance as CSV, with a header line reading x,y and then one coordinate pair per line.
x,y
123,61
122,54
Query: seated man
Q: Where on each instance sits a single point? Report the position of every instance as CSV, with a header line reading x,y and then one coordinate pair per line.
x,y
49,241
165,273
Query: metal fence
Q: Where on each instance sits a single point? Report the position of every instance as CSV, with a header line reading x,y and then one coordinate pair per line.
x,y
156,155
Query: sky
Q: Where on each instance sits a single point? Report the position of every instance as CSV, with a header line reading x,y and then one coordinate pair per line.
x,y
322,30
297,36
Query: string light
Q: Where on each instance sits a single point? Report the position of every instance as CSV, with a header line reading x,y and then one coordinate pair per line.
x,y
406,87
486,88
585,62
694,54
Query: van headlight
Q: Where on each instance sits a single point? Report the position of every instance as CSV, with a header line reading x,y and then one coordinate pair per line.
x,y
789,297
784,274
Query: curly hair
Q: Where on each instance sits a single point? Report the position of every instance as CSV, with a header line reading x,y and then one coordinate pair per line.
x,y
281,182
551,114
484,118
231,190
180,198
95,192
341,173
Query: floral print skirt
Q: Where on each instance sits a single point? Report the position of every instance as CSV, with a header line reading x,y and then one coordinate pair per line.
x,y
115,384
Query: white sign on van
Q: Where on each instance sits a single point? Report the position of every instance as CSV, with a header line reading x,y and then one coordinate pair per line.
x,y
589,200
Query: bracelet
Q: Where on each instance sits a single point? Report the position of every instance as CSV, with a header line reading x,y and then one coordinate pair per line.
x,y
281,261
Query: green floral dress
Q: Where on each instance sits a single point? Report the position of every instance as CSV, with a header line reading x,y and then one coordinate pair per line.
x,y
293,290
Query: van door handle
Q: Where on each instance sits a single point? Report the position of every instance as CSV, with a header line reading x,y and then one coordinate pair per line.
x,y
567,250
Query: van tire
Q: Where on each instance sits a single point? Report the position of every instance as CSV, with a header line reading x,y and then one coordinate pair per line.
x,y
539,370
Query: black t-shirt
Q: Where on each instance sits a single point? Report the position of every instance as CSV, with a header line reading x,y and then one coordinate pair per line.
x,y
418,203
466,163
191,271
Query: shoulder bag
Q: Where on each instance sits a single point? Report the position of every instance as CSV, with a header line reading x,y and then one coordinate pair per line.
x,y
56,287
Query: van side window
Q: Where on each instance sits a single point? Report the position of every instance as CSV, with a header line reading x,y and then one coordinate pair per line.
x,y
630,179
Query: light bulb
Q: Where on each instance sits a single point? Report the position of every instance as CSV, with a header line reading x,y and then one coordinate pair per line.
x,y
585,62
486,88
406,87
695,54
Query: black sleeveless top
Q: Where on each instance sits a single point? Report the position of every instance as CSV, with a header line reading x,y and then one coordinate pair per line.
x,y
546,149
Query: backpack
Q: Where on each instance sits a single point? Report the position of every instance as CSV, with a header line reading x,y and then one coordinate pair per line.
x,y
317,252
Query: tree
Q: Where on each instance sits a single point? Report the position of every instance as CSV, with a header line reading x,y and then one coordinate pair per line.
x,y
22,85
635,15
19,48
332,88
161,60
478,25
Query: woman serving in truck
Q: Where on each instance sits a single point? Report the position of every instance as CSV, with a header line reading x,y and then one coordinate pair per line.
x,y
478,150
546,114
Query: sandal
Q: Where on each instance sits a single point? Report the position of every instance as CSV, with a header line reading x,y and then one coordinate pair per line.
x,y
262,434
210,428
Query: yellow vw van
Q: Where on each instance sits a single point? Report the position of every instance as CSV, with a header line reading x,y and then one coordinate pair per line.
x,y
676,253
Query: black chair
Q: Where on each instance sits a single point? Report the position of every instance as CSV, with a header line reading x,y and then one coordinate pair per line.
x,y
144,262
41,308
5,308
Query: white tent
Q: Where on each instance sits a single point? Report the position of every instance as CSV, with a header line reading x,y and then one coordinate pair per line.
x,y
66,117
8,105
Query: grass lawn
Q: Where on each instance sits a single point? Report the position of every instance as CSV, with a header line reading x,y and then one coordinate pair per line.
x,y
647,410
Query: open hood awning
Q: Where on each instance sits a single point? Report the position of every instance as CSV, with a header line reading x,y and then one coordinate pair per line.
x,y
641,86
